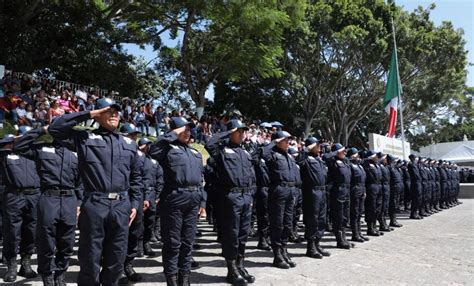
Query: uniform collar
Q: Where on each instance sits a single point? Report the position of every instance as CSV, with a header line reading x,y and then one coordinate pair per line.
x,y
102,131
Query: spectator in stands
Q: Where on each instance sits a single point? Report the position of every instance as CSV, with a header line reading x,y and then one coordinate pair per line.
x,y
74,105
141,121
41,115
64,101
21,113
8,106
55,111
159,118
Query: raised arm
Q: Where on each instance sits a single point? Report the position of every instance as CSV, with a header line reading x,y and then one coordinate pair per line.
x,y
24,146
216,141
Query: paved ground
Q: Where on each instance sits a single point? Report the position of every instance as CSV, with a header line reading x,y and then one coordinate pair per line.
x,y
438,250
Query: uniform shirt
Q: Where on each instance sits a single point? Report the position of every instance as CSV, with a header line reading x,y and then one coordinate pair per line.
x,y
152,178
281,165
233,163
358,176
57,166
385,174
339,171
182,164
18,172
108,162
261,169
373,172
396,176
313,170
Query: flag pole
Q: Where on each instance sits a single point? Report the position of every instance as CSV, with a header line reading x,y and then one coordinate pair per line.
x,y
399,82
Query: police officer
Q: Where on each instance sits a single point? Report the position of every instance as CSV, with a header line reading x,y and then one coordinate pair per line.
x,y
358,179
263,183
385,192
282,173
58,206
396,187
111,175
235,194
20,200
406,185
297,210
426,194
135,231
153,181
443,184
416,193
340,174
313,175
373,185
181,199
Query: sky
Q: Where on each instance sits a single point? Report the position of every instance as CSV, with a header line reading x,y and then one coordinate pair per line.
x,y
459,12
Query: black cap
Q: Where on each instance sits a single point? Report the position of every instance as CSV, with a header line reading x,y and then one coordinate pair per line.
x,y
391,158
235,123
178,122
338,147
281,134
381,155
129,128
311,140
370,154
352,151
106,102
144,141
292,151
412,157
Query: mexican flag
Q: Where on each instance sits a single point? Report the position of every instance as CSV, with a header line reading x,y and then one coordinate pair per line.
x,y
392,92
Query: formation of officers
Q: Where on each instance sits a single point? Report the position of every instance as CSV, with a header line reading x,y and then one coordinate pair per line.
x,y
118,193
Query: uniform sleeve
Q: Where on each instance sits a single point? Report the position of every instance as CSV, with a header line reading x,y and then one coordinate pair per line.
x,y
24,146
61,129
204,199
160,182
159,148
136,186
266,151
216,142
79,190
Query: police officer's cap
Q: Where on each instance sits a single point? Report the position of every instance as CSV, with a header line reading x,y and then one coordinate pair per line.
x,y
281,134
292,151
381,155
392,158
370,154
178,122
352,151
144,141
265,125
311,140
106,102
23,129
8,138
412,156
276,124
129,128
338,147
235,123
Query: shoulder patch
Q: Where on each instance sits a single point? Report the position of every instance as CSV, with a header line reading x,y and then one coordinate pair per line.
x,y
140,153
75,154
229,151
174,146
194,151
48,150
95,136
13,157
127,140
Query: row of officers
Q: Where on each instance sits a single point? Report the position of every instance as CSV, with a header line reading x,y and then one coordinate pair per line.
x,y
108,185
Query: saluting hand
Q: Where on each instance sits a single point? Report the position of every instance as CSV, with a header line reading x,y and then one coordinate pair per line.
x,y
133,214
96,112
146,205
180,130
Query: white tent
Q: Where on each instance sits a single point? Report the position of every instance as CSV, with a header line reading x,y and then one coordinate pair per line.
x,y
460,154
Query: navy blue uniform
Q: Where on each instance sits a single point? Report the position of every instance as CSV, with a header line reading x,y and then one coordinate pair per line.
x,y
358,180
281,200
313,175
443,186
406,186
235,189
263,183
416,193
153,181
111,175
385,182
180,200
373,201
340,174
20,200
396,187
61,194
426,188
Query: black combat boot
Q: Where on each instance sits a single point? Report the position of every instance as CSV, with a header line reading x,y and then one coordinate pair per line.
x,y
311,249
371,231
25,269
233,275
132,276
278,260
344,237
10,275
60,278
262,243
242,270
183,278
157,229
394,222
341,243
356,235
320,249
360,232
48,280
140,249
286,257
194,263
383,224
172,280
148,250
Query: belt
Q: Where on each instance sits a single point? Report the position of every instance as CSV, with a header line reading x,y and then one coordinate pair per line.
x,y
110,196
321,188
240,190
189,189
26,191
287,184
60,192
343,185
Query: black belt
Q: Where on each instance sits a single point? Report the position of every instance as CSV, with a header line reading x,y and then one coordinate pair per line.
x,y
60,192
287,184
27,191
109,196
322,188
343,185
240,190
189,188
